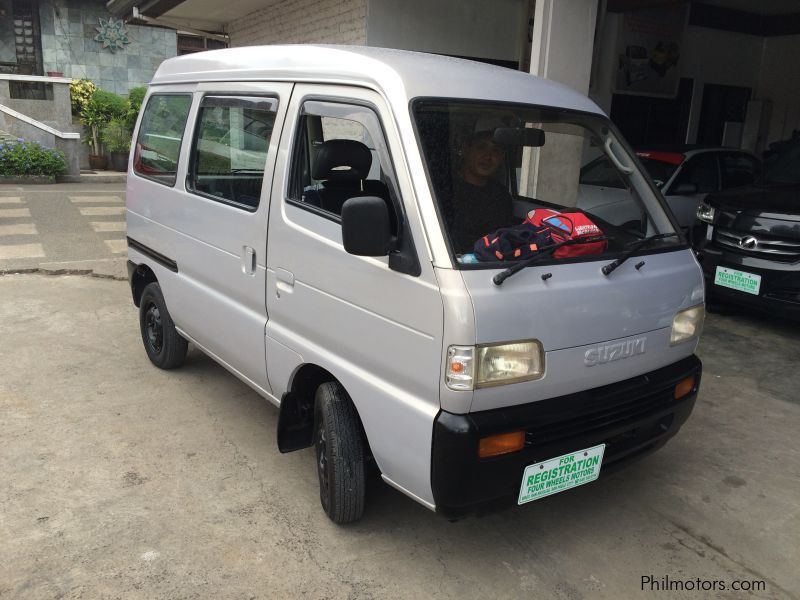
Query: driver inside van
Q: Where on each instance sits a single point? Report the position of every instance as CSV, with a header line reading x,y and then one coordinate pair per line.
x,y
479,203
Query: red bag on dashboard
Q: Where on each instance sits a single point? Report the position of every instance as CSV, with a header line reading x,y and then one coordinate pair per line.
x,y
569,226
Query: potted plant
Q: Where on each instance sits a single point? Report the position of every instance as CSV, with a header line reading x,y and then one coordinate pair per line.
x,y
135,99
101,108
80,92
117,140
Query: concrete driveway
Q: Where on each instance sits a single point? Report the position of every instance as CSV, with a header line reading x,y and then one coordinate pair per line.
x,y
123,481
63,227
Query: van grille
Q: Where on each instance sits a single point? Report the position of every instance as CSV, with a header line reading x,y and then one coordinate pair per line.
x,y
620,414
769,247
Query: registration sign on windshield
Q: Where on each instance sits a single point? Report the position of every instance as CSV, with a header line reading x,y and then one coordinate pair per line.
x,y
560,473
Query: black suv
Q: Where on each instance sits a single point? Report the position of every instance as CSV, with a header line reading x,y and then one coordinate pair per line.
x,y
748,239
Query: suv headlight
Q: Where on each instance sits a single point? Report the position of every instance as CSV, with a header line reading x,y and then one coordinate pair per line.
x,y
471,367
706,213
687,324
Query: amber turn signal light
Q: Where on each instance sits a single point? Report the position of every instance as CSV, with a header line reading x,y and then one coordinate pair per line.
x,y
684,388
505,443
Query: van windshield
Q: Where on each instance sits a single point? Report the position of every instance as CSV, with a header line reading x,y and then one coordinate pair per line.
x,y
495,167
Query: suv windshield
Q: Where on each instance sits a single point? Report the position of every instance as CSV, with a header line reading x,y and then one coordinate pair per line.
x,y
783,167
492,166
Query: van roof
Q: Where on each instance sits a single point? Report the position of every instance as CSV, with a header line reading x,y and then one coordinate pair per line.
x,y
400,74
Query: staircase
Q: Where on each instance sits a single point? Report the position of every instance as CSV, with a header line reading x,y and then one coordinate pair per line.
x,y
7,138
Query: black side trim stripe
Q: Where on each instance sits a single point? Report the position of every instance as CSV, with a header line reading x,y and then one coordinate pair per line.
x,y
156,256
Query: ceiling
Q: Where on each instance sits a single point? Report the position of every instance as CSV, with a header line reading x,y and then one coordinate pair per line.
x,y
764,7
213,15
214,11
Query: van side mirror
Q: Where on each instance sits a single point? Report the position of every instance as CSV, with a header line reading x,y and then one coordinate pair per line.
x,y
366,230
685,189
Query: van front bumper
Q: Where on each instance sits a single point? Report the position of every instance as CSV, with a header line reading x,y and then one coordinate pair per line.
x,y
632,417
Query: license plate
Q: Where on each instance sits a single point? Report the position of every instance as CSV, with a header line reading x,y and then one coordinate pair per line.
x,y
738,280
561,473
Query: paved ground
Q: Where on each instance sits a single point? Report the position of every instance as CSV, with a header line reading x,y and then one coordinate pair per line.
x,y
123,481
73,227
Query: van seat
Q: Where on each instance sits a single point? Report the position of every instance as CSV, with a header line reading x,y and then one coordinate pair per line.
x,y
341,167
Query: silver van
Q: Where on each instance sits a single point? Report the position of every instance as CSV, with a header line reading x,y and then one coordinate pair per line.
x,y
314,219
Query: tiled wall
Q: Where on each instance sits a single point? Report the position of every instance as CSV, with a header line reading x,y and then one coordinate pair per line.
x,y
68,46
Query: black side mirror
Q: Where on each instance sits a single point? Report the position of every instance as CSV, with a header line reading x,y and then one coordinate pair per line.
x,y
685,189
365,226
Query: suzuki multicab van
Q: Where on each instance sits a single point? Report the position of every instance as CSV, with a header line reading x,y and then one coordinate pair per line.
x,y
294,212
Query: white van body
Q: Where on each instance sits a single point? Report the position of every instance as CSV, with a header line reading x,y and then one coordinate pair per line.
x,y
263,283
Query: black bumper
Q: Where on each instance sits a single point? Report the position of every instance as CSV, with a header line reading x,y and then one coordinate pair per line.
x,y
779,293
632,417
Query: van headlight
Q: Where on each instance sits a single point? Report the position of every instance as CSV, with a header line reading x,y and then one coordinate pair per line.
x,y
471,367
687,324
706,213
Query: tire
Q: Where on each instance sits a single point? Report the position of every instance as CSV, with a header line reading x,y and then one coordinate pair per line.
x,y
165,347
339,450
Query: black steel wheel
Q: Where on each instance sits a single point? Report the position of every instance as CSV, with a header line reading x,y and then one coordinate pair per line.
x,y
339,450
164,345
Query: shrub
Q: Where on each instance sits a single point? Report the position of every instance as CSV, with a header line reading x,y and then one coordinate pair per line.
x,y
30,158
108,104
116,136
135,99
102,107
80,92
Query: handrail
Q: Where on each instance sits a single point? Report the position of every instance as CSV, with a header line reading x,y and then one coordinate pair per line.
x,y
64,135
39,78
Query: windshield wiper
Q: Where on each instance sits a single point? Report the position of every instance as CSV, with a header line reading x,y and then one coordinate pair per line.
x,y
543,253
633,247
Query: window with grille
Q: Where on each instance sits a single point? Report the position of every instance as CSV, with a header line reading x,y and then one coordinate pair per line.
x,y
27,38
28,47
188,44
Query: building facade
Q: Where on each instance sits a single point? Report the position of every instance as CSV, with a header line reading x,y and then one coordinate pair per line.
x,y
80,39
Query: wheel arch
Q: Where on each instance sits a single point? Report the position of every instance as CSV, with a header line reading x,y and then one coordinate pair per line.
x,y
296,420
140,276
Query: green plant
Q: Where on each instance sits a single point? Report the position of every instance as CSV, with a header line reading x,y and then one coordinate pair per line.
x,y
80,92
102,107
115,136
135,99
22,158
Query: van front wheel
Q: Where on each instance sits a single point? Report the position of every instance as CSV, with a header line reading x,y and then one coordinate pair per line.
x,y
340,454
165,347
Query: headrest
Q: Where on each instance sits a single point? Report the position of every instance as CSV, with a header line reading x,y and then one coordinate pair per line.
x,y
486,125
342,153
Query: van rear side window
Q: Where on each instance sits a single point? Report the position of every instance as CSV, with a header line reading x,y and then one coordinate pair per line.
x,y
229,152
159,142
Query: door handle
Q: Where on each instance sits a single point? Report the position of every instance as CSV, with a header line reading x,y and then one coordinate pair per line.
x,y
284,282
248,260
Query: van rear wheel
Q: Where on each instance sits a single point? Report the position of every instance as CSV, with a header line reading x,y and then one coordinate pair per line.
x,y
340,454
165,347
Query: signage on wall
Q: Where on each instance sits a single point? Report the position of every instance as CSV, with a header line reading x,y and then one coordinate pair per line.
x,y
649,51
112,33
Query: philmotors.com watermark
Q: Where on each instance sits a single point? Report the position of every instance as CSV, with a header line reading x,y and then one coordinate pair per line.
x,y
665,583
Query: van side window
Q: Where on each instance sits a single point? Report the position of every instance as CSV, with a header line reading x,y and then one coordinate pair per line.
x,y
160,134
340,153
229,151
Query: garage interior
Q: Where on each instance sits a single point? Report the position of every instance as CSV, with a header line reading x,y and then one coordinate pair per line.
x,y
731,80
